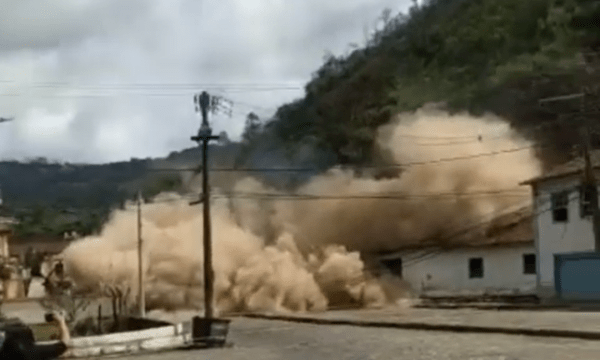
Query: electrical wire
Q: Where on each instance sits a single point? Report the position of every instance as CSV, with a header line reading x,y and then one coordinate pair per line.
x,y
389,166
287,197
457,137
165,85
466,142
374,196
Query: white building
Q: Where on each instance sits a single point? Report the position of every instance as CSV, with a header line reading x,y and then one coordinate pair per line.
x,y
495,258
5,236
562,223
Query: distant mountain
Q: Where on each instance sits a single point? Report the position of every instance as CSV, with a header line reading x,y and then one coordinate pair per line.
x,y
51,198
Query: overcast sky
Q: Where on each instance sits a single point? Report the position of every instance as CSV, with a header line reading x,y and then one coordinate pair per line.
x,y
107,80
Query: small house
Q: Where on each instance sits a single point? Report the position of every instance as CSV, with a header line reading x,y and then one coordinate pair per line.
x,y
492,258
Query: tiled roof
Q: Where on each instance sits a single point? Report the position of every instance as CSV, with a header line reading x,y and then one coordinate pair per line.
x,y
512,228
570,168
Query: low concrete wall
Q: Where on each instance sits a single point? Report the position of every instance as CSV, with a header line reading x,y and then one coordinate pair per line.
x,y
135,323
161,338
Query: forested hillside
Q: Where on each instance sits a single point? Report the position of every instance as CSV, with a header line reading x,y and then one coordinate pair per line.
x,y
477,55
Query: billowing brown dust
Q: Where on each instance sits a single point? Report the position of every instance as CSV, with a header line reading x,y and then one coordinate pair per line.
x,y
303,255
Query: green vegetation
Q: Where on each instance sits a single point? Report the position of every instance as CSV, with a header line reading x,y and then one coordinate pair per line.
x,y
476,55
51,199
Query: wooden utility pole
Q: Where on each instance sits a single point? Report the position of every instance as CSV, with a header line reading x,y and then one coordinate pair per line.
x,y
204,136
591,188
141,294
590,184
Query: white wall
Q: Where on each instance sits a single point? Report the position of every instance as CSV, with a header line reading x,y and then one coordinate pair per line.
x,y
4,239
449,271
555,238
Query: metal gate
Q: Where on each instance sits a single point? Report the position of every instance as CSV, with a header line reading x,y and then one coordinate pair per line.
x,y
577,276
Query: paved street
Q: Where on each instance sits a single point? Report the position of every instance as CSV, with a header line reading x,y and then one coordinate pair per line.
x,y
263,339
266,339
543,319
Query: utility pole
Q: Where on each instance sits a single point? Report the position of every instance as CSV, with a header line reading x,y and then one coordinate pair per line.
x,y
141,295
590,184
203,104
591,188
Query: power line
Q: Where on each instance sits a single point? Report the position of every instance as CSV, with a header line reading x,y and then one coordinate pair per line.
x,y
390,166
373,196
474,140
193,85
108,95
468,157
197,169
368,196
120,90
457,137
363,196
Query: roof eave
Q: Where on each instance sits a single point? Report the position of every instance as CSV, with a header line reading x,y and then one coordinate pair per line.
x,y
450,247
554,177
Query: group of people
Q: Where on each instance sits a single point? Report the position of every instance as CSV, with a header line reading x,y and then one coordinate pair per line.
x,y
16,339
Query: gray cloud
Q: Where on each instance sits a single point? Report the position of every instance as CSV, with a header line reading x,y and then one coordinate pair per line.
x,y
88,50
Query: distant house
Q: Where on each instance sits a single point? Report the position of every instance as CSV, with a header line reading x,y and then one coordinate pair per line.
x,y
563,228
5,236
51,245
493,258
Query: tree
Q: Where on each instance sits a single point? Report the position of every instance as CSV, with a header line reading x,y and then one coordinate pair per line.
x,y
252,128
224,138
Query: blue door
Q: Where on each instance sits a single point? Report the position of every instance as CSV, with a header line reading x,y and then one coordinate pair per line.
x,y
577,276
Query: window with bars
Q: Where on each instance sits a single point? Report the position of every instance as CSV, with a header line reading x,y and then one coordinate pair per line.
x,y
560,207
585,201
475,268
529,264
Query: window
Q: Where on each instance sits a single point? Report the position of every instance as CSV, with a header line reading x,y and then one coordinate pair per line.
x,y
529,264
394,266
476,268
560,206
585,201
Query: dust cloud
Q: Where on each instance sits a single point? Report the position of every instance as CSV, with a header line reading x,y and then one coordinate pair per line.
x,y
304,254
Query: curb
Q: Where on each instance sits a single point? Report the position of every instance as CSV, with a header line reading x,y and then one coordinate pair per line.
x,y
575,334
130,342
496,307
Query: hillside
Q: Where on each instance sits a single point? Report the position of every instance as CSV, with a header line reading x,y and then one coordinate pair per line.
x,y
51,198
497,56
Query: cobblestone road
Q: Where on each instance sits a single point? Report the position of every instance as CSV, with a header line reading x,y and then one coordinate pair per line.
x,y
263,339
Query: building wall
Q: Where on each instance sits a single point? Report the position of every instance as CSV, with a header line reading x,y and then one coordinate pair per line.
x,y
447,273
4,242
575,235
